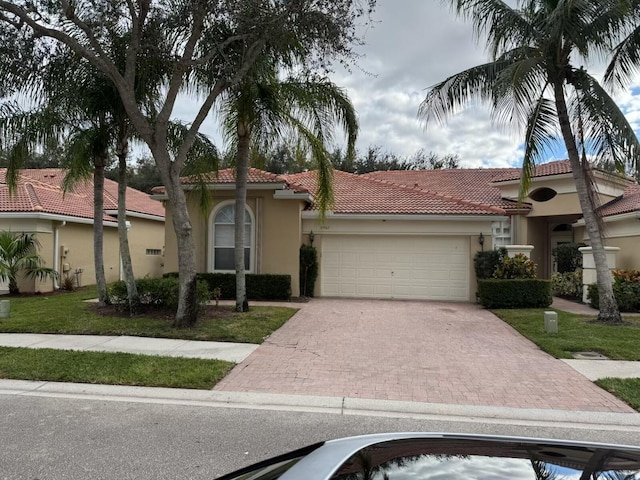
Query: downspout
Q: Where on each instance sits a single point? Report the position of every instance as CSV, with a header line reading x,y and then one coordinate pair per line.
x,y
56,253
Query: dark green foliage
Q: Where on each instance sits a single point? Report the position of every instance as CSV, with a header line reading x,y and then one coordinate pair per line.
x,y
155,292
567,256
486,262
567,285
519,293
517,267
259,286
308,270
626,290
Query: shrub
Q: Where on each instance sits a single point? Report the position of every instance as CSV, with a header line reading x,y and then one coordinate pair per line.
x,y
259,286
518,293
517,267
155,292
626,290
567,285
308,270
485,263
567,257
68,283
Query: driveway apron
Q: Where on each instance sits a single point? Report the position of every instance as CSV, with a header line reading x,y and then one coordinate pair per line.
x,y
434,352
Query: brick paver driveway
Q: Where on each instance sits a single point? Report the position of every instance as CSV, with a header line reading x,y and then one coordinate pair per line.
x,y
435,352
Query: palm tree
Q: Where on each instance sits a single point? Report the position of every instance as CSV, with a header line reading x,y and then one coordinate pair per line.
x,y
19,253
531,81
265,108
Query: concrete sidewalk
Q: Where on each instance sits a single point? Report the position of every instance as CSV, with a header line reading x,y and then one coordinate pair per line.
x,y
231,352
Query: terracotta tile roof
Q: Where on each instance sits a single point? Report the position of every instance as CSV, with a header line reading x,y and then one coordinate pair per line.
x,y
628,202
228,176
40,190
359,194
559,167
471,184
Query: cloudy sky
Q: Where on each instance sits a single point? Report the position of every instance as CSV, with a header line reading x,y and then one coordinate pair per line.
x,y
412,45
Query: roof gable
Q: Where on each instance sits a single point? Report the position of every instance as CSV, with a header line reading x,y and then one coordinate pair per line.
x,y
40,190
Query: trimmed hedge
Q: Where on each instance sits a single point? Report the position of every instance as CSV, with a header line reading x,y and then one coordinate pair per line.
x,y
155,292
486,262
259,286
308,270
627,296
517,293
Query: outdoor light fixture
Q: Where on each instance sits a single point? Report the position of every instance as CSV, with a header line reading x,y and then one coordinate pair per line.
x,y
481,241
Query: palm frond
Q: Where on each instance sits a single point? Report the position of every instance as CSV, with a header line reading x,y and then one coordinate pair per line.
x,y
625,62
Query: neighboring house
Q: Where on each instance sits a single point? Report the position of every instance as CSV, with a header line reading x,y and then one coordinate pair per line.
x,y
401,234
63,224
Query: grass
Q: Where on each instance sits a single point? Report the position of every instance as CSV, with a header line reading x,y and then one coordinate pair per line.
x,y
626,389
576,334
110,368
68,313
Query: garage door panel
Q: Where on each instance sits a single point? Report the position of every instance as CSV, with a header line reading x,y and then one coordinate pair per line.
x,y
396,267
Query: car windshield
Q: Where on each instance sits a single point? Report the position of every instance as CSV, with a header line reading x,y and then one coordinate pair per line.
x,y
477,460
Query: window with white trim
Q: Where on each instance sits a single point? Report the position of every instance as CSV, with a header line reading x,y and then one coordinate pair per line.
x,y
501,232
223,239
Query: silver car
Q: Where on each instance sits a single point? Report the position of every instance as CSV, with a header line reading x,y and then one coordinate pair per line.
x,y
434,456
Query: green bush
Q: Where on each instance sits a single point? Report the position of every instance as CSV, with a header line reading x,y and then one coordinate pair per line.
x,y
567,285
308,270
518,293
626,290
155,292
259,286
485,263
517,267
567,257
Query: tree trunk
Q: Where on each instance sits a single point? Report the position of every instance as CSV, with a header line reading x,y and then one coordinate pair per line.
x,y
123,235
100,161
609,312
187,313
242,172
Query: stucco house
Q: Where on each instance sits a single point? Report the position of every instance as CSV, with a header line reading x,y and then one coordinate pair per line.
x,y
63,224
402,234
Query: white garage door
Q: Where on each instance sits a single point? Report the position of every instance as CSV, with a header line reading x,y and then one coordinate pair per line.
x,y
409,267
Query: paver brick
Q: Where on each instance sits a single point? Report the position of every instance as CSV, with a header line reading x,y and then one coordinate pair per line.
x,y
435,352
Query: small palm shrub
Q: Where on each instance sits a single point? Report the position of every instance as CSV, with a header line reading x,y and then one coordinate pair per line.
x,y
19,253
517,267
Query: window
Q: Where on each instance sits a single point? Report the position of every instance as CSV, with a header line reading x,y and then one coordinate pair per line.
x,y
154,251
223,239
543,194
501,234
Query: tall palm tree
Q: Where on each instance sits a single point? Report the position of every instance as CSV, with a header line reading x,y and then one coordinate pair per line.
x,y
265,108
532,82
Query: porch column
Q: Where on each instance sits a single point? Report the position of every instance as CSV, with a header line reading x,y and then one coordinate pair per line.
x,y
513,250
589,276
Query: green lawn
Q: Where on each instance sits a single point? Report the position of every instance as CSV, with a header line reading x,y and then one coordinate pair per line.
x,y
110,368
627,389
576,334
68,313
579,334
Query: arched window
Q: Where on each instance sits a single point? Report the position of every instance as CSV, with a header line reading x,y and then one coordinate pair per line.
x,y
222,236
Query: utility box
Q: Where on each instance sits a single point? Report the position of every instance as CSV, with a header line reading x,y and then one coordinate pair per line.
x,y
551,322
5,308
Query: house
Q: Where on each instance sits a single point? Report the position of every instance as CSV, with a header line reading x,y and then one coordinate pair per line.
x,y
401,234
63,224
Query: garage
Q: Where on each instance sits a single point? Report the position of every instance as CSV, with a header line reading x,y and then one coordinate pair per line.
x,y
396,266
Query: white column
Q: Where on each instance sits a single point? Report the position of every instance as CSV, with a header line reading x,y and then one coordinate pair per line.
x,y
589,275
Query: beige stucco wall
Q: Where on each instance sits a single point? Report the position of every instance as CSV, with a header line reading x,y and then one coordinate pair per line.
x,y
277,234
624,234
144,235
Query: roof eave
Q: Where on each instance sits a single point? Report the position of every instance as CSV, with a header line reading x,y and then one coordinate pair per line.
x,y
312,215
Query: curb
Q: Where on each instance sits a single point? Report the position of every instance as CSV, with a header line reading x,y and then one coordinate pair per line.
x,y
329,405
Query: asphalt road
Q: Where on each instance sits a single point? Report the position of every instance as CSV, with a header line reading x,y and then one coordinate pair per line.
x,y
55,438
